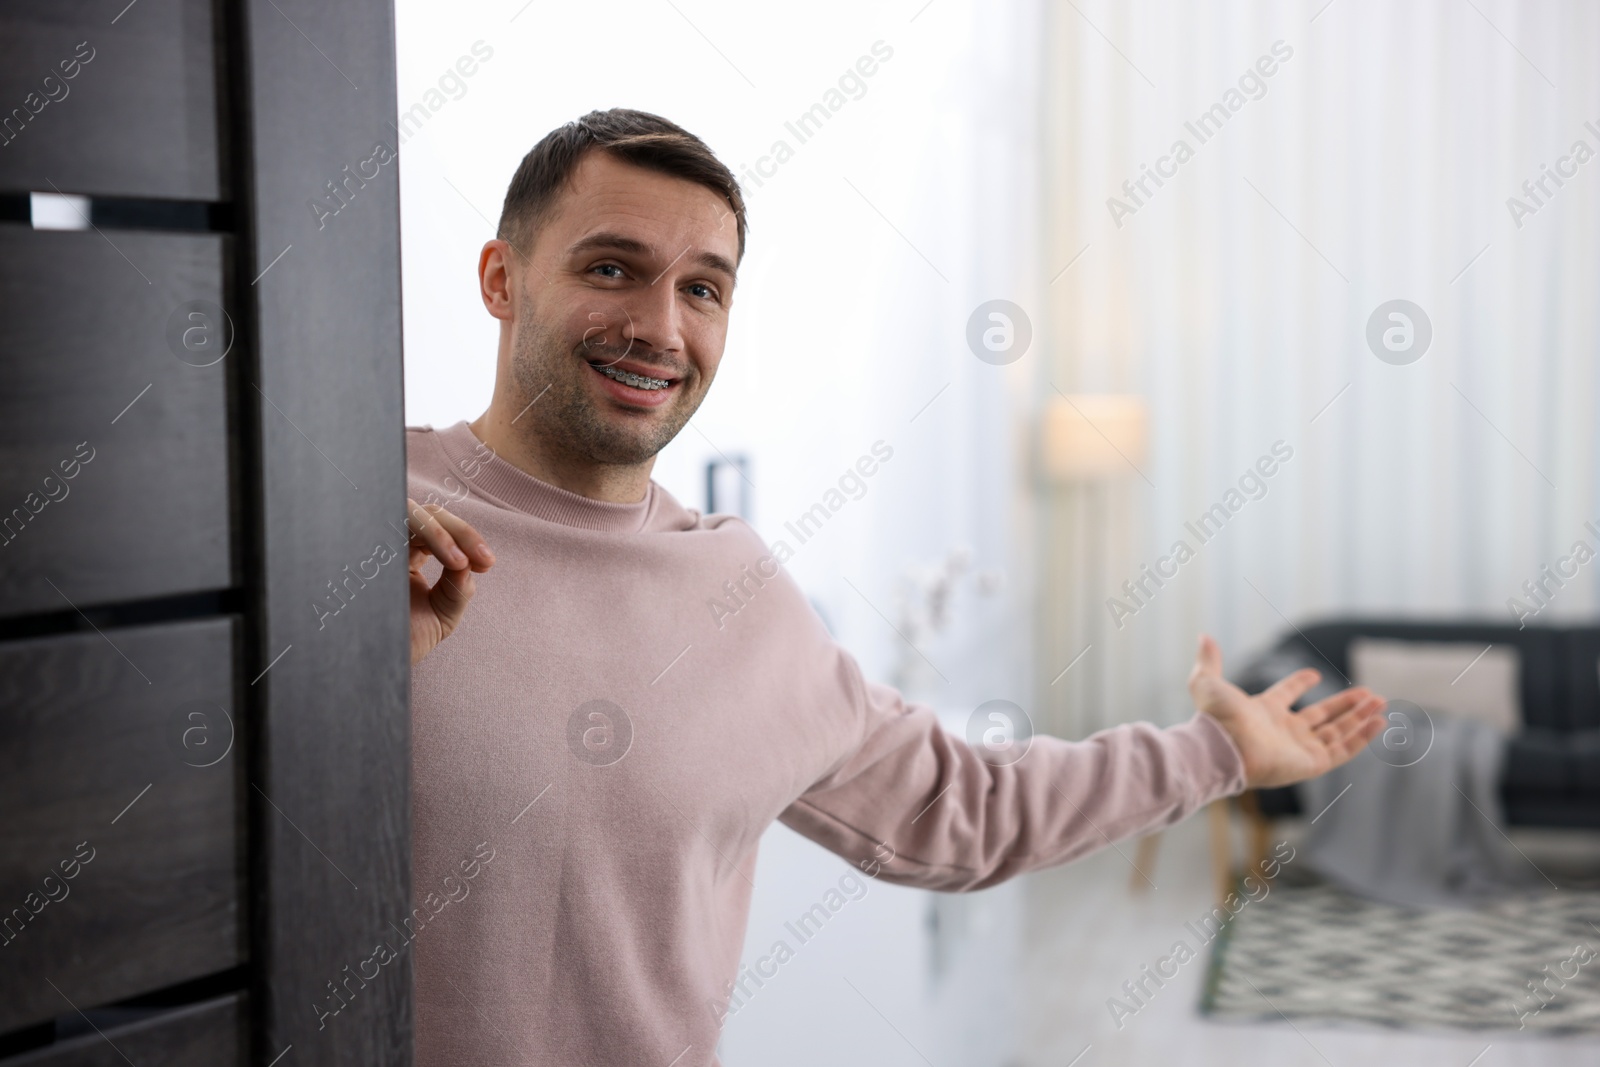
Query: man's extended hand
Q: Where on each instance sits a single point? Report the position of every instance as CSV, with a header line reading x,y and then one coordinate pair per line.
x,y
436,611
1282,746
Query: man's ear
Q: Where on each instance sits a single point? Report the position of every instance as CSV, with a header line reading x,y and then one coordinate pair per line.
x,y
495,278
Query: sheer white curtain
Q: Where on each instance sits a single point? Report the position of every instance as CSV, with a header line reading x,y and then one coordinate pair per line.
x,y
1373,163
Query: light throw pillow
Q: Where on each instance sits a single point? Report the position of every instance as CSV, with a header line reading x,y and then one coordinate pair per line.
x,y
1453,678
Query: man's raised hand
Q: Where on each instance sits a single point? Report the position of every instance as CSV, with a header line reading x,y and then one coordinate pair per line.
x,y
1280,746
436,610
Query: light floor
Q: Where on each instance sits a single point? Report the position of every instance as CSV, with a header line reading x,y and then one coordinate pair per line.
x,y
1088,933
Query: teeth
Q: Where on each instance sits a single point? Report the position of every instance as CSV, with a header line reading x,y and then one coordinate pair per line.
x,y
638,381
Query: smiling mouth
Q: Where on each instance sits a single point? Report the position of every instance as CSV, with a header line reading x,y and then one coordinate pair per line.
x,y
637,381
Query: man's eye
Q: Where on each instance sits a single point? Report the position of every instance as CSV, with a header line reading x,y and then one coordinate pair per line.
x,y
704,292
610,266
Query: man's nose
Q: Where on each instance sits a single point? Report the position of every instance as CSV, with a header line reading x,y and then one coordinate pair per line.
x,y
654,319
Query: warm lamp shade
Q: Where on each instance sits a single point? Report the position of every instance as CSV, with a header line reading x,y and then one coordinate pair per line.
x,y
1090,436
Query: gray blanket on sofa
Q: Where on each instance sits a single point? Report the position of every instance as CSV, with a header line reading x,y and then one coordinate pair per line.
x,y
1415,820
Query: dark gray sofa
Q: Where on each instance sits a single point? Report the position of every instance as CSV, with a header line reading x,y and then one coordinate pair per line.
x,y
1552,766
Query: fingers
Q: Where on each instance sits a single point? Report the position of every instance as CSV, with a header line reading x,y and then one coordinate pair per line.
x,y
429,533
1350,745
450,538
1349,732
1331,708
449,598
1371,730
437,610
1207,661
468,539
1293,687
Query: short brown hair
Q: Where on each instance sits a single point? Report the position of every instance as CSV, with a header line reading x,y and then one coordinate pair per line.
x,y
636,137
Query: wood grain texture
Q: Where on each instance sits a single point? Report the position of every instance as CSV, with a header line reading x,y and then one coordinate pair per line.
x,y
335,730
85,325
139,118
121,859
209,1034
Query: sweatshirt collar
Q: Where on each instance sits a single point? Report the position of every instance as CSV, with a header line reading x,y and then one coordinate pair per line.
x,y
508,485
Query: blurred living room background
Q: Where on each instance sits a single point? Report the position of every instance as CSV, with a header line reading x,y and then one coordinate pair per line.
x,y
1307,288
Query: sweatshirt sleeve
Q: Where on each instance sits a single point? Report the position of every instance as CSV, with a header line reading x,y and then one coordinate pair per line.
x,y
915,804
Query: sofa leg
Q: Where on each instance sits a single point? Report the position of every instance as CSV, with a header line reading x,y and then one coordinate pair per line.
x,y
1144,863
1221,848
1260,829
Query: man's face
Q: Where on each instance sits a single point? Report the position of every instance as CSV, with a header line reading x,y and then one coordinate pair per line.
x,y
621,310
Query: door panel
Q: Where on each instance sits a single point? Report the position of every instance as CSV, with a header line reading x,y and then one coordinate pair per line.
x,y
111,104
113,447
126,873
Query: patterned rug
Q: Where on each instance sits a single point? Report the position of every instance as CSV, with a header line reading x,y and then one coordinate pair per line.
x,y
1310,951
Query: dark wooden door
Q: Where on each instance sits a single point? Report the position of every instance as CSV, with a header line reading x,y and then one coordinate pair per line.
x,y
204,724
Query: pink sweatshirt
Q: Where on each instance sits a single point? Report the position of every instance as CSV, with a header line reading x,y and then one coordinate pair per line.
x,y
595,759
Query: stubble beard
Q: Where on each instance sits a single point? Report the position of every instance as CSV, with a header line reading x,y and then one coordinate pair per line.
x,y
564,414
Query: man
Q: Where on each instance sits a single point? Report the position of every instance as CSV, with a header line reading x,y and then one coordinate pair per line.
x,y
600,759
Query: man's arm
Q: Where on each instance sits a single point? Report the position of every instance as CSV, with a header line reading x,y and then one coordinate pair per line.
x,y
917,805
